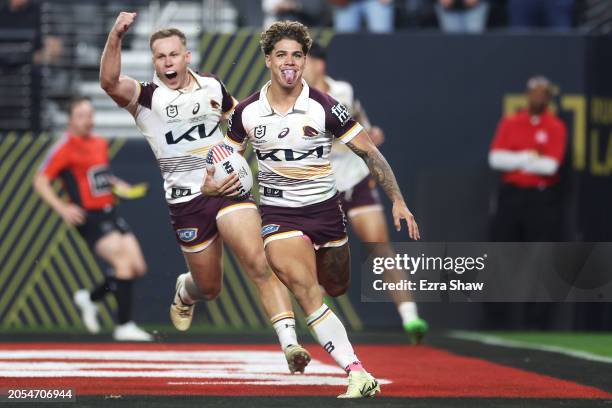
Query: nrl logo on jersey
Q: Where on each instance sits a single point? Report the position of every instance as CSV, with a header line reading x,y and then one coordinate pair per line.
x,y
187,234
172,111
260,131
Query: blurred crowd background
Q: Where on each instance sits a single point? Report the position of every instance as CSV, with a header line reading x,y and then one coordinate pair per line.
x,y
49,50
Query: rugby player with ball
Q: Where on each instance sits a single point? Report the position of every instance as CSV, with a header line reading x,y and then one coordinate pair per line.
x,y
180,113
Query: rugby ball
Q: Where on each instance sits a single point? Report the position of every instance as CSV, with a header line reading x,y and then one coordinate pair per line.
x,y
227,161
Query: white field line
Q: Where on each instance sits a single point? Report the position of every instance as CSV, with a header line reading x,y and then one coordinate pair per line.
x,y
498,341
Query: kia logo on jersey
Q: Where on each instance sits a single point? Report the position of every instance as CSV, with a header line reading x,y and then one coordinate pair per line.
x,y
171,111
196,108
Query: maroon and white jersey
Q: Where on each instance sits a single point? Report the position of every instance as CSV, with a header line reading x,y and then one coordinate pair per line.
x,y
349,168
293,149
181,126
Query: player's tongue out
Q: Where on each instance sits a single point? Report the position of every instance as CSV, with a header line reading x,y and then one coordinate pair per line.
x,y
288,75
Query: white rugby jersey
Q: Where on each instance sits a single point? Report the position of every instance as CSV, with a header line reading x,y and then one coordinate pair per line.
x,y
181,127
349,167
293,149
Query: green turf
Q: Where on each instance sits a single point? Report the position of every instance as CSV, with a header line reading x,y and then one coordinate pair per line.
x,y
595,343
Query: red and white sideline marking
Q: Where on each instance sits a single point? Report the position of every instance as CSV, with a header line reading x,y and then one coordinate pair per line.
x,y
166,369
213,369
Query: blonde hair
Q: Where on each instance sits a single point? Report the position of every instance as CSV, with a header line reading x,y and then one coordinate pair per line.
x,y
165,33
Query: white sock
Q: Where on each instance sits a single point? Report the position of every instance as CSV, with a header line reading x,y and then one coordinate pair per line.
x,y
408,311
328,330
284,324
186,297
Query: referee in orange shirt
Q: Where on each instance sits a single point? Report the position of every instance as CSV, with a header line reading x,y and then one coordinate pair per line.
x,y
80,160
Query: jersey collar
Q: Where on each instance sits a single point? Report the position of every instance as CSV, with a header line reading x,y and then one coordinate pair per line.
x,y
301,104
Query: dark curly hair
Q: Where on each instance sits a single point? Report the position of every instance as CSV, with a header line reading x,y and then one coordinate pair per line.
x,y
281,30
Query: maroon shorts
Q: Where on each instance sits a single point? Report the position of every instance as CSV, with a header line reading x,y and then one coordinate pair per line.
x,y
195,222
363,197
323,223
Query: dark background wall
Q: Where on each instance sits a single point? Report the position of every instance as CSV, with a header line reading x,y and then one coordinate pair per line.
x,y
439,99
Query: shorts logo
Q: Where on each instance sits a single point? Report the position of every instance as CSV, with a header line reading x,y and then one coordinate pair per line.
x,y
171,111
187,234
268,229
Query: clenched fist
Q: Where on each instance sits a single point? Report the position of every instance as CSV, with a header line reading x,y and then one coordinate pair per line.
x,y
123,23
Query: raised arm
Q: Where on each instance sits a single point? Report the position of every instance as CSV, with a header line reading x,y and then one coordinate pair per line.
x,y
120,88
363,146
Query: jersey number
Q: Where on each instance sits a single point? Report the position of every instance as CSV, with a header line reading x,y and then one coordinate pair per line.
x,y
188,136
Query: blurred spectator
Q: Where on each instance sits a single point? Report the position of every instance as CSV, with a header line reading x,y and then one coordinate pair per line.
x,y
21,21
377,14
556,14
309,12
462,16
23,15
528,149
415,13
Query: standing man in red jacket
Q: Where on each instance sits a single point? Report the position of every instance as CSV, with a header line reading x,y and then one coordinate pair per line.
x,y
528,149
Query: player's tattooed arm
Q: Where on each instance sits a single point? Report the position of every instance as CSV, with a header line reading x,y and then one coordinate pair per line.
x,y
363,147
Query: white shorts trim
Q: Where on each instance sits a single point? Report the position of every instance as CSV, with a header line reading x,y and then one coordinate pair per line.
x,y
282,235
364,209
332,244
235,207
199,247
